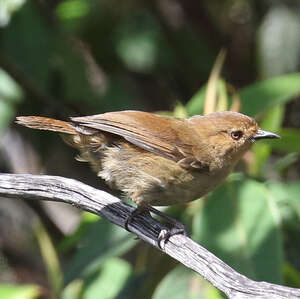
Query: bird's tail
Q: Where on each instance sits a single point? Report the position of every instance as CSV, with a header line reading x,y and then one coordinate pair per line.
x,y
44,123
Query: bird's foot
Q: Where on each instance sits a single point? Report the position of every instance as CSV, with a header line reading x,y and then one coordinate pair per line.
x,y
139,210
165,234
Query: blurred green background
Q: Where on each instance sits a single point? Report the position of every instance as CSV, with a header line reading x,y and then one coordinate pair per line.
x,y
80,57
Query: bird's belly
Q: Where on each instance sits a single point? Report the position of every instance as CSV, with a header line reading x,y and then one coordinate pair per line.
x,y
149,179
177,191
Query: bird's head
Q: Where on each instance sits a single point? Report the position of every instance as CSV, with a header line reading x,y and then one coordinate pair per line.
x,y
227,135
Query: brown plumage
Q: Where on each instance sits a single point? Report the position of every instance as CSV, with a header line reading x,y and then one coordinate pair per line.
x,y
158,160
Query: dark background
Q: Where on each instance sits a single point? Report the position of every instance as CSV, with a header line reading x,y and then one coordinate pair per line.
x,y
77,57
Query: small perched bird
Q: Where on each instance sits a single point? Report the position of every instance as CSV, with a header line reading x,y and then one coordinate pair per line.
x,y
158,160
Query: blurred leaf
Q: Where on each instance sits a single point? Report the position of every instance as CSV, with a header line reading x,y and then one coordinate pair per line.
x,y
272,122
9,90
196,104
137,42
109,281
261,152
180,111
291,275
222,103
73,74
50,258
56,65
287,196
212,84
10,95
9,291
273,60
71,9
184,283
71,241
273,118
7,8
256,98
286,161
239,223
102,240
259,97
32,55
7,112
289,141
73,290
236,100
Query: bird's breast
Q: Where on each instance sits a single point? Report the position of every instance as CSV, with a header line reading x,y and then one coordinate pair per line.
x,y
149,179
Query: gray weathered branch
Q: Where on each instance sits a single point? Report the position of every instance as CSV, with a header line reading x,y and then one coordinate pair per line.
x,y
180,247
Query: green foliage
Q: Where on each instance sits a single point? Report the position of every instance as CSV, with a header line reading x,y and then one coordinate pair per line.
x,y
291,140
10,95
101,241
50,258
256,98
72,9
73,290
137,43
259,97
291,275
244,219
19,291
183,283
88,57
108,281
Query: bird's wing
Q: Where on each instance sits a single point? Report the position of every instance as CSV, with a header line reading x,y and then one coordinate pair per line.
x,y
165,136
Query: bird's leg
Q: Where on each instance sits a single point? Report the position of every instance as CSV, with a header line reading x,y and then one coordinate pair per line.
x,y
178,227
137,211
164,235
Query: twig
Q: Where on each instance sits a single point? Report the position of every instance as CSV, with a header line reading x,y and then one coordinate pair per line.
x,y
180,247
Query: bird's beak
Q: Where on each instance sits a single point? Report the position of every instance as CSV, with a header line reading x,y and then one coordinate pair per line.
x,y
261,134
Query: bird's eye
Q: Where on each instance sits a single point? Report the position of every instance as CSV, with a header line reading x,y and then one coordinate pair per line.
x,y
236,135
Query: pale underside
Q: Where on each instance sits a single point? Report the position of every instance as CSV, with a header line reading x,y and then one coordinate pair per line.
x,y
146,178
156,160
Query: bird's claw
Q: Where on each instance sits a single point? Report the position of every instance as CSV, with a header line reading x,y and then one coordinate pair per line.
x,y
165,234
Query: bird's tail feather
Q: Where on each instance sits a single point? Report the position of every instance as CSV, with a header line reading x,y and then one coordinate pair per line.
x,y
44,123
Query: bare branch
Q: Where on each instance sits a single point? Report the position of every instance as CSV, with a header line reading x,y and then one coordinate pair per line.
x,y
180,247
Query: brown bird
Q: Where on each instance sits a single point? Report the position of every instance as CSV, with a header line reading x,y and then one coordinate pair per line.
x,y
158,160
